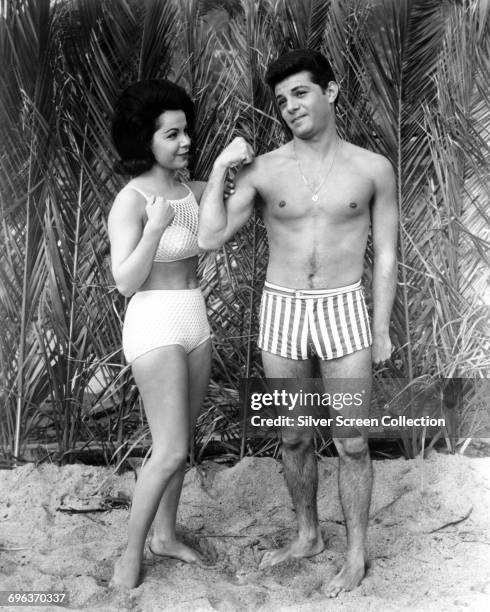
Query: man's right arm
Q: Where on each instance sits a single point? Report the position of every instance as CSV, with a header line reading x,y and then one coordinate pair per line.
x,y
220,220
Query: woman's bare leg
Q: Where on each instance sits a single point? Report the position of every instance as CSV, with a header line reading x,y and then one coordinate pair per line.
x,y
162,379
164,540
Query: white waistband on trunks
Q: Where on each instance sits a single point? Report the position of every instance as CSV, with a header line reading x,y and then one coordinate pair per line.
x,y
330,323
310,293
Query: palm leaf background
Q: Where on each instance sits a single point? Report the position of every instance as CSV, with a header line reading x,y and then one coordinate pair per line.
x,y
412,77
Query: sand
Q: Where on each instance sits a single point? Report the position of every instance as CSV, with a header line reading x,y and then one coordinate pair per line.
x,y
429,538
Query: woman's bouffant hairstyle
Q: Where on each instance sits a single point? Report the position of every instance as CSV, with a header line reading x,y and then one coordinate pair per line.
x,y
135,121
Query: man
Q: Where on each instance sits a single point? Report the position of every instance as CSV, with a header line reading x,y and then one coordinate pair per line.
x,y
320,196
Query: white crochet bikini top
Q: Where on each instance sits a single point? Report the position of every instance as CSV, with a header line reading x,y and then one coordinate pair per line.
x,y
179,239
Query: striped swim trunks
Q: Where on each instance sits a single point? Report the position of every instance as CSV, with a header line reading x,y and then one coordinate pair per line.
x,y
327,322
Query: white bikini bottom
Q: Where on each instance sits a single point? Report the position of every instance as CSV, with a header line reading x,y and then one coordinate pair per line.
x,y
164,317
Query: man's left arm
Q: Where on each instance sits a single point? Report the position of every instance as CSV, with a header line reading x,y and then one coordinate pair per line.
x,y
384,219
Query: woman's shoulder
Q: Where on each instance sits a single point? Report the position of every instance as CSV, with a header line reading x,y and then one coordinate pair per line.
x,y
134,190
129,202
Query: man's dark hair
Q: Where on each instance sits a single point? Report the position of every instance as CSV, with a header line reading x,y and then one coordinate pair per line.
x,y
135,121
296,61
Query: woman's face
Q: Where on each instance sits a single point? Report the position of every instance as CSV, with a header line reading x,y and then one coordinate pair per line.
x,y
171,143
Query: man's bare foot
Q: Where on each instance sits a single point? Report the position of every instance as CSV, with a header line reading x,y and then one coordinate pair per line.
x,y
297,549
176,550
127,571
349,577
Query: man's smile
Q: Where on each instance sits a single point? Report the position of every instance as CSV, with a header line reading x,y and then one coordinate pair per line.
x,y
298,118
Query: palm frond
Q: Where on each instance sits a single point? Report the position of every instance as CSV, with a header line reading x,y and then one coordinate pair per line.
x,y
303,24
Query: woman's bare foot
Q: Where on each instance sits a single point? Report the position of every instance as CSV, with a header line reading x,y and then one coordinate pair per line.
x,y
349,577
297,549
176,550
127,571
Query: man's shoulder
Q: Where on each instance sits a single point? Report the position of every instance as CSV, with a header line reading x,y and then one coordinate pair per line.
x,y
358,153
265,162
377,165
279,152
262,166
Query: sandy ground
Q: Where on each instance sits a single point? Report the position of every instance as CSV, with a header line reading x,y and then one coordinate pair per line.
x,y
429,538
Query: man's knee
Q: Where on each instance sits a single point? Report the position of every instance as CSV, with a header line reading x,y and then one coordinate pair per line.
x,y
355,448
295,440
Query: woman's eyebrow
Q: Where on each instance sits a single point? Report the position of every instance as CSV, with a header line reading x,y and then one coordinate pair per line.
x,y
176,128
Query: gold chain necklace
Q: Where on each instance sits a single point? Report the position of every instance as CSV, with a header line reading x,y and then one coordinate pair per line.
x,y
316,191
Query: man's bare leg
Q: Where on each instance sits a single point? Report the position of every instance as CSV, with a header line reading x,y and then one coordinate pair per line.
x,y
355,470
300,470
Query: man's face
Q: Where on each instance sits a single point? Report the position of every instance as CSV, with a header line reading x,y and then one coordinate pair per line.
x,y
305,106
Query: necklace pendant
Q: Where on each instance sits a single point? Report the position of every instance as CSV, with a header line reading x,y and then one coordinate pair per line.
x,y
314,197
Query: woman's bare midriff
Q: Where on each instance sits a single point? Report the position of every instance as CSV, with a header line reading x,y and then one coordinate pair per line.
x,y
181,274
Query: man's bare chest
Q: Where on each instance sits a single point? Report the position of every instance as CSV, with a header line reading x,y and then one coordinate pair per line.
x,y
343,196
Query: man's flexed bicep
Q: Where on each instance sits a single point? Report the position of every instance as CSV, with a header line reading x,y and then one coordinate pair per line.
x,y
220,220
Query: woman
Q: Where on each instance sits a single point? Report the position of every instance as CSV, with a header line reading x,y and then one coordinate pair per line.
x,y
166,338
